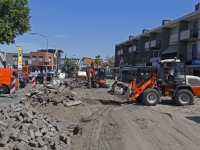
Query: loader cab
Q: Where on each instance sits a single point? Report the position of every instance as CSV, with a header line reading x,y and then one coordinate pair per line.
x,y
168,77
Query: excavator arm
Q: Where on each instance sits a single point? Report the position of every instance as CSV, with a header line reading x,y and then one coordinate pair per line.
x,y
135,90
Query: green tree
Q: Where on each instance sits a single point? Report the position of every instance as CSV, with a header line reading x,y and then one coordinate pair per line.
x,y
98,60
110,60
69,63
14,19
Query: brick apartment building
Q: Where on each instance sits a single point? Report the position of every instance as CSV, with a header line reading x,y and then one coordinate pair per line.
x,y
178,38
38,60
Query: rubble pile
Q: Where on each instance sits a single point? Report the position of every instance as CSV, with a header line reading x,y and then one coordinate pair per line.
x,y
22,127
51,93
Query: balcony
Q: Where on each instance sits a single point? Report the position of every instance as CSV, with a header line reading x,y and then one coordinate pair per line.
x,y
173,38
135,48
155,43
146,45
122,52
189,35
130,49
118,52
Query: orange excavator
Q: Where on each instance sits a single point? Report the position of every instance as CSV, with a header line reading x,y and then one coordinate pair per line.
x,y
181,88
96,77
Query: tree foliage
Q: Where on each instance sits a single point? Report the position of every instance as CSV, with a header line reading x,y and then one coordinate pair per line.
x,y
110,60
98,60
69,63
14,19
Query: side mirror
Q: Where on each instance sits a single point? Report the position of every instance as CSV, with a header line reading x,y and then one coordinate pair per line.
x,y
141,74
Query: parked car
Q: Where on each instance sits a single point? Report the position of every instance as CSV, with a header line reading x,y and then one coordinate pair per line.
x,y
22,82
40,77
32,74
25,78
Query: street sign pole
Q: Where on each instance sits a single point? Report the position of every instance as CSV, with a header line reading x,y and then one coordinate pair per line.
x,y
20,58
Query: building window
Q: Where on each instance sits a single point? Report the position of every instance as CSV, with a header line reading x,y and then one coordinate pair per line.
x,y
156,53
40,58
34,58
174,30
15,57
147,39
146,54
25,57
49,58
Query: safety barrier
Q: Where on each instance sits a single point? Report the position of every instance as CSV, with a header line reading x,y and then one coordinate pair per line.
x,y
44,81
12,90
33,81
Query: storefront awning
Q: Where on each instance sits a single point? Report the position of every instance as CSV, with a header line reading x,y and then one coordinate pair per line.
x,y
171,49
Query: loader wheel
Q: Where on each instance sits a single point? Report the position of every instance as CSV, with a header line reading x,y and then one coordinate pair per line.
x,y
184,97
150,97
6,90
139,99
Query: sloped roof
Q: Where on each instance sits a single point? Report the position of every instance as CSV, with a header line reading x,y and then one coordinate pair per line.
x,y
89,60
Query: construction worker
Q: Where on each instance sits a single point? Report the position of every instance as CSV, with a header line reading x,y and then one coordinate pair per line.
x,y
170,72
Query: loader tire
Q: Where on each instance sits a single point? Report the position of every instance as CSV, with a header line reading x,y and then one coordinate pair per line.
x,y
150,97
139,99
184,97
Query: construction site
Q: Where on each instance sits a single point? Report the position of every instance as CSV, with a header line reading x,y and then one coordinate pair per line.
x,y
71,78
97,113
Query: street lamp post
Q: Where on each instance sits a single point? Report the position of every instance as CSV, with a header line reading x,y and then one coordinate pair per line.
x,y
47,58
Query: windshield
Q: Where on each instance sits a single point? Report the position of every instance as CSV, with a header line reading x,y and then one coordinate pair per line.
x,y
24,69
160,70
81,68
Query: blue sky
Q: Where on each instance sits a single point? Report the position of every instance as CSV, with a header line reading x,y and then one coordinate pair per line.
x,y
86,28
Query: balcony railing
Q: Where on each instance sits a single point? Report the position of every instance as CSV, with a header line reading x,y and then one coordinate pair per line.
x,y
130,49
155,43
187,34
193,56
146,45
173,38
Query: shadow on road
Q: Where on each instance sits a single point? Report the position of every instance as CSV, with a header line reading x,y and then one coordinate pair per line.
x,y
194,118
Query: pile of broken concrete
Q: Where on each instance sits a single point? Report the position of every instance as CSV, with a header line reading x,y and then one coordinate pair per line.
x,y
43,95
23,127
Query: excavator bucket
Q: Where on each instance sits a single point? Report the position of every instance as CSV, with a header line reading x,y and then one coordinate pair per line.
x,y
117,88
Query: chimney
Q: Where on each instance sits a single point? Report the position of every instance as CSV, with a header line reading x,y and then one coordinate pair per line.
x,y
197,7
145,31
165,21
131,37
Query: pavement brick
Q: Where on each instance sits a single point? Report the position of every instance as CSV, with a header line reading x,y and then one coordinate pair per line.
x,y
37,134
33,127
33,143
31,133
3,124
48,138
40,141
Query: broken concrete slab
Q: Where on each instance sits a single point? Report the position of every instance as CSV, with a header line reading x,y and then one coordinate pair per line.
x,y
72,103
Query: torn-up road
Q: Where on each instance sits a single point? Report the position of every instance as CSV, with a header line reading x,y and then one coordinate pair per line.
x,y
107,123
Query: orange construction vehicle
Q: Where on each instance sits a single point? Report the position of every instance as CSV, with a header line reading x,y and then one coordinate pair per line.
x,y
24,71
96,77
6,77
181,87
